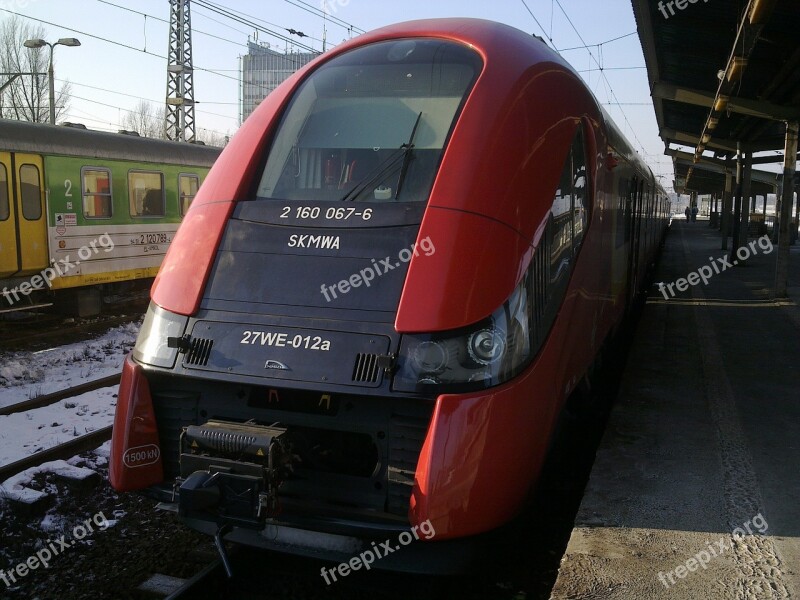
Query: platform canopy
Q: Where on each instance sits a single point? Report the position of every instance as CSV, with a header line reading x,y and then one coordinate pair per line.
x,y
708,176
722,73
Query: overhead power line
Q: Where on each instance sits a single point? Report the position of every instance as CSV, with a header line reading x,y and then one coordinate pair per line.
x,y
150,100
544,32
127,46
319,12
600,67
211,35
289,30
159,19
621,37
602,73
611,69
224,12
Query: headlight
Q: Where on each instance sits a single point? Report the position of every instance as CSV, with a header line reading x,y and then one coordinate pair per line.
x,y
151,345
486,346
430,357
486,354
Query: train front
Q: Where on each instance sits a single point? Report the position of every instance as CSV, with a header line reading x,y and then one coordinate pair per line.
x,y
341,342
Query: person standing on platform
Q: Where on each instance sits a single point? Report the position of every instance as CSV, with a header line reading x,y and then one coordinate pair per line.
x,y
688,214
694,213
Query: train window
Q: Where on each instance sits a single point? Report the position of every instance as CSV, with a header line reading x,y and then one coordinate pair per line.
x,y
621,208
568,216
371,124
96,191
630,208
188,185
560,227
4,208
146,193
580,187
31,192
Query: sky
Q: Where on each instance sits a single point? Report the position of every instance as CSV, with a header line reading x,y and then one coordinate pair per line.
x,y
109,76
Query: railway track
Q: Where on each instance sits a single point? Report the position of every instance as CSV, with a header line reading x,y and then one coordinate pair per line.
x,y
48,399
54,329
83,443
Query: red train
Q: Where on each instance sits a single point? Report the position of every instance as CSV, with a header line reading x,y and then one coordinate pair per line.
x,y
392,279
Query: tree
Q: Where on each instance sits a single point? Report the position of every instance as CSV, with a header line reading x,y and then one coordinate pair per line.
x,y
145,120
149,122
212,138
27,97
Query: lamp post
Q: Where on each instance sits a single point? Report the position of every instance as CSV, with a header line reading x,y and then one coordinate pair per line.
x,y
39,43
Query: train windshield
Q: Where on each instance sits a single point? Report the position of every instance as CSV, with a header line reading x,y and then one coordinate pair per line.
x,y
371,124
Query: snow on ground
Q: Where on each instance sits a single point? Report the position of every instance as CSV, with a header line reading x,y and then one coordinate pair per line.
x,y
16,487
26,375
25,433
24,487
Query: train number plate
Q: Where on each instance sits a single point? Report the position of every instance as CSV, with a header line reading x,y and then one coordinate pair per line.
x,y
285,353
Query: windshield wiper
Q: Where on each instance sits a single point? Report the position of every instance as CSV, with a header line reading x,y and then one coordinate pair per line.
x,y
377,174
407,156
387,166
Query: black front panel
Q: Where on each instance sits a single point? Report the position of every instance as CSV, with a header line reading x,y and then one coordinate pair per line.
x,y
358,454
315,256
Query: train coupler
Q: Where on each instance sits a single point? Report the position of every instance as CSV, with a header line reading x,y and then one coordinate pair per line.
x,y
231,472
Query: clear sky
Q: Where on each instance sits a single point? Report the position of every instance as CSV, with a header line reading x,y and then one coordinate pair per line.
x,y
218,42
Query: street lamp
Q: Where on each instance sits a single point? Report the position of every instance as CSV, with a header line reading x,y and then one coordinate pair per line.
x,y
39,43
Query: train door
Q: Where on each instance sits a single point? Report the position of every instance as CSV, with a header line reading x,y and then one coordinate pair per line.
x,y
30,214
8,230
636,230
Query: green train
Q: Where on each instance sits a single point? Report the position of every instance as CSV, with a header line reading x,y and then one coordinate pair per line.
x,y
84,214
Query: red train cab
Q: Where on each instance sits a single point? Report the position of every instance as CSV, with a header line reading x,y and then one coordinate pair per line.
x,y
396,273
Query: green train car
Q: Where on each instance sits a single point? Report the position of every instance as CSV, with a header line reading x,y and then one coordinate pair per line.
x,y
85,213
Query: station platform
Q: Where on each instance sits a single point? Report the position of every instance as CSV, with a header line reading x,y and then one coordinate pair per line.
x,y
695,490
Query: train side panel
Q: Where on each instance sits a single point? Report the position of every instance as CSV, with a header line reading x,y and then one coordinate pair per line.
x,y
112,221
69,217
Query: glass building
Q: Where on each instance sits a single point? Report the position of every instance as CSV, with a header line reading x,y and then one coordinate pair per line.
x,y
264,69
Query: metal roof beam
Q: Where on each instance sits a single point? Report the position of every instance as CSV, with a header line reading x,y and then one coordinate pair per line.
x,y
757,160
744,106
679,155
692,139
765,160
721,144
706,165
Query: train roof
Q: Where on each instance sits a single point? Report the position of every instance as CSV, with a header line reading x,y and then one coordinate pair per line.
x,y
621,145
39,138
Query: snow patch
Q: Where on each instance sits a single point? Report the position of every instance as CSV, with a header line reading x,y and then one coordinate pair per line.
x,y
23,434
26,375
15,488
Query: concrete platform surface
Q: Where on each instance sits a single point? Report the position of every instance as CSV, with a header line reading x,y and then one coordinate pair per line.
x,y
695,491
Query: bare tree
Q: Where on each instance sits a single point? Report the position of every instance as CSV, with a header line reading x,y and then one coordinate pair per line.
x,y
26,98
148,121
145,120
212,138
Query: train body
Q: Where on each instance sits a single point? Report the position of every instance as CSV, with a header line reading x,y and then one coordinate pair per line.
x,y
393,278
81,209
